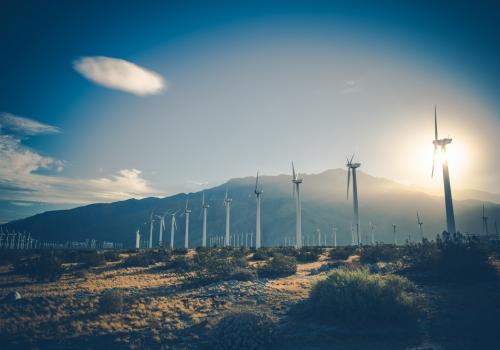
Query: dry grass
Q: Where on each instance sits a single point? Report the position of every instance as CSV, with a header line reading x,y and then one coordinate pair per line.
x,y
155,306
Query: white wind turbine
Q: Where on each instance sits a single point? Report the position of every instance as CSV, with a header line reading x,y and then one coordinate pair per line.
x,y
351,168
372,230
298,209
227,204
450,215
162,228
258,192
420,223
187,211
150,243
334,236
485,222
173,227
204,208
137,239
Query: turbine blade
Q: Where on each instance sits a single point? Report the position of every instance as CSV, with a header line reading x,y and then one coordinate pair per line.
x,y
435,123
434,160
418,218
257,181
351,158
293,172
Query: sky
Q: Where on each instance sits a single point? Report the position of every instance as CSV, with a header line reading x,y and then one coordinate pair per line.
x,y
104,101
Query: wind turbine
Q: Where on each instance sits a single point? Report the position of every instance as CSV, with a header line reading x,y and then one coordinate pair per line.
x,y
351,167
334,236
450,216
485,222
204,208
173,227
258,191
394,231
420,223
162,228
372,229
227,204
298,209
186,232
137,239
150,244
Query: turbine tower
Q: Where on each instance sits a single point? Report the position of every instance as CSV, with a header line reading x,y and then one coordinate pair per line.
x,y
204,208
450,216
150,243
351,167
162,228
334,236
186,232
137,239
420,223
173,227
394,231
298,209
485,222
227,204
372,229
257,192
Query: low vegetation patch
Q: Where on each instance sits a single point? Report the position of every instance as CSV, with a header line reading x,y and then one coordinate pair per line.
x,y
357,297
453,259
42,268
278,266
342,253
379,253
146,258
242,330
111,301
111,255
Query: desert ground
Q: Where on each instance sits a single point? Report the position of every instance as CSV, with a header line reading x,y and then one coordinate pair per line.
x,y
164,309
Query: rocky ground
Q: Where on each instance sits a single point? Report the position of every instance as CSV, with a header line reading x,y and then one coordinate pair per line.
x,y
161,312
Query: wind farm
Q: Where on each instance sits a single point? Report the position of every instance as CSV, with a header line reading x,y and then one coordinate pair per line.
x,y
173,175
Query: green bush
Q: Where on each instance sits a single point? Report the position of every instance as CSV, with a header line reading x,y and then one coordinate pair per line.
x,y
453,259
242,330
308,254
144,259
111,301
278,266
357,297
92,258
342,253
241,274
379,253
262,254
111,255
42,268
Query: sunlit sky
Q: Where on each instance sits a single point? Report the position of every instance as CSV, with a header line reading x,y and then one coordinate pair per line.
x,y
103,102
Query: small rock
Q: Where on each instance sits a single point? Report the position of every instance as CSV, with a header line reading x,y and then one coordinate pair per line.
x,y
13,296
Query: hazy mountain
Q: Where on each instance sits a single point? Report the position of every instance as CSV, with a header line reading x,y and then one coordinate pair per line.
x,y
382,202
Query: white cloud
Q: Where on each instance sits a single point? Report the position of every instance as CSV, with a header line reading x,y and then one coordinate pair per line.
x,y
25,126
19,180
350,86
119,74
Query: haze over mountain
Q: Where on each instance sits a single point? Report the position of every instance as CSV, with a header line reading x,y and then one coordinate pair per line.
x,y
324,204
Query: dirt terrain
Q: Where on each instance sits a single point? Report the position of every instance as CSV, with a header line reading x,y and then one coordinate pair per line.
x,y
160,312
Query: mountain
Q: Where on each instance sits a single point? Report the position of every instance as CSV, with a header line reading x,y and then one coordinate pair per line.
x,y
324,203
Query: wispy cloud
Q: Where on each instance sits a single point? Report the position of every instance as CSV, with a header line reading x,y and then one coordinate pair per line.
x,y
350,86
195,185
25,126
21,180
119,74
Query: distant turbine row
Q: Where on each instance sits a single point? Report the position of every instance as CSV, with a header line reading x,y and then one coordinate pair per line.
x,y
296,182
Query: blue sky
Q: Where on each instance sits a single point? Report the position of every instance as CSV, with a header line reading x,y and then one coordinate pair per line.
x,y
106,101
